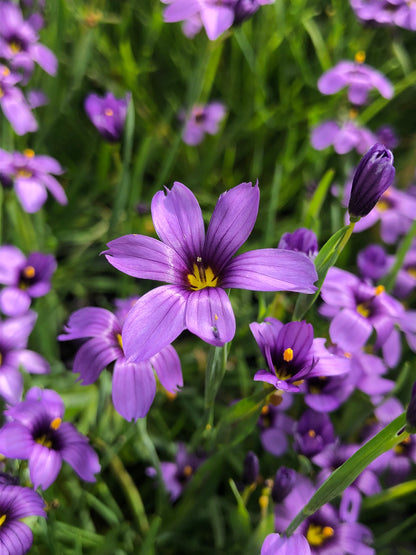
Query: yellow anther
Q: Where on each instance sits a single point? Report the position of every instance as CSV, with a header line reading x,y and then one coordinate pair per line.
x,y
265,410
2,519
108,112
215,316
5,71
360,57
56,422
288,354
316,535
379,289
15,47
29,153
188,470
298,382
363,310
119,339
202,277
327,532
312,433
347,355
1,93
24,173
29,272
412,272
1,359
43,440
353,113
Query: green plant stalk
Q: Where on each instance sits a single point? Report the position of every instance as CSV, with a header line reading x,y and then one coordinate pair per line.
x,y
390,280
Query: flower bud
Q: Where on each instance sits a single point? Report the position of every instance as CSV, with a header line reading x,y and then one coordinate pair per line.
x,y
283,483
250,469
373,175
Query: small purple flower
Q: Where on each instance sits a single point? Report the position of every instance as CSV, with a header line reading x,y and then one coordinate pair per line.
x,y
31,177
373,176
292,355
134,383
373,262
35,431
199,268
108,114
25,278
358,77
274,544
14,334
19,43
343,137
301,240
14,104
313,432
381,12
276,427
201,120
16,504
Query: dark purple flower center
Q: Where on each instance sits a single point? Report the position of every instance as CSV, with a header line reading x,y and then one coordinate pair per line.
x,y
27,277
316,385
365,307
46,434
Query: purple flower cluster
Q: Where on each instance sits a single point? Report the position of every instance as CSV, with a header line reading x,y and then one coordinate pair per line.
x,y
215,17
386,12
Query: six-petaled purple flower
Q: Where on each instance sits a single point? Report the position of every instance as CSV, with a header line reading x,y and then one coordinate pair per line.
x,y
108,114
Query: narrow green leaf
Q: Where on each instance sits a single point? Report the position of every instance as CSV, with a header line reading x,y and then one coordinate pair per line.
x,y
318,198
405,245
391,494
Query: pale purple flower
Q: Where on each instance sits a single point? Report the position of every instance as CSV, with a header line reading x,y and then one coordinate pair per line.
x,y
372,177
25,278
292,354
35,431
16,504
31,177
344,137
134,383
199,268
312,432
19,43
14,334
360,78
301,240
373,262
202,120
275,544
386,136
13,103
108,114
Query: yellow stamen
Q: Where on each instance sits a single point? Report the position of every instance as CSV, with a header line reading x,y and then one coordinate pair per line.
x,y
379,289
2,519
108,112
119,340
360,57
288,354
363,310
56,422
412,272
298,382
1,93
347,355
24,173
29,272
382,205
15,47
265,410
316,535
353,113
201,277
42,440
29,153
188,470
5,71
312,433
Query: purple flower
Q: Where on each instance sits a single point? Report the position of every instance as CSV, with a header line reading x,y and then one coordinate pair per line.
x,y
31,178
274,544
301,240
17,503
283,483
276,427
406,278
14,333
201,120
14,104
292,354
313,432
387,136
134,383
358,77
199,268
108,114
36,432
373,262
381,12
373,176
19,43
25,278
343,137
324,530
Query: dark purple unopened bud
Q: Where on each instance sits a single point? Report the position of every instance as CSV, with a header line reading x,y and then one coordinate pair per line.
x,y
250,469
244,9
373,175
283,483
411,410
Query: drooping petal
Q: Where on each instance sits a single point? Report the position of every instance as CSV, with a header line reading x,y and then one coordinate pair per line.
x,y
154,322
177,218
31,193
14,301
18,112
31,361
231,223
90,322
271,270
168,368
16,441
349,330
55,188
93,357
11,384
11,260
180,10
266,376
210,316
266,335
78,453
14,332
134,388
45,58
44,466
216,20
146,258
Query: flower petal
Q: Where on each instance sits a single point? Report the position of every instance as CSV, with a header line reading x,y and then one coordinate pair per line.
x,y
210,316
16,538
90,322
16,441
31,193
14,301
177,218
349,330
134,388
168,368
154,322
231,223
146,258
78,453
271,270
11,384
44,466
93,357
